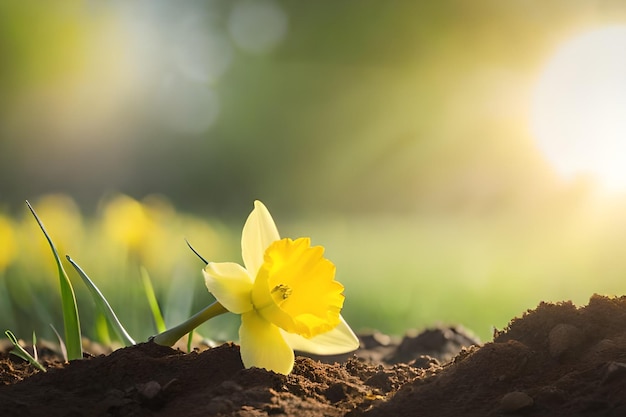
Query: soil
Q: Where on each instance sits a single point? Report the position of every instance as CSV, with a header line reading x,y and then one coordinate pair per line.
x,y
556,360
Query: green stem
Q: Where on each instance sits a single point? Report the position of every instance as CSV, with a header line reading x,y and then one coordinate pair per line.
x,y
171,336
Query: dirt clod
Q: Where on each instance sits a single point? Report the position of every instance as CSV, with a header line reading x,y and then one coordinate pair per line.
x,y
563,338
515,401
556,360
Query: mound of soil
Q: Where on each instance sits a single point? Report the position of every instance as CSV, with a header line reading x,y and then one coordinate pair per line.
x,y
556,360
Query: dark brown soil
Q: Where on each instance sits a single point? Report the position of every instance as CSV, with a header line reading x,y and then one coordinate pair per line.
x,y
556,360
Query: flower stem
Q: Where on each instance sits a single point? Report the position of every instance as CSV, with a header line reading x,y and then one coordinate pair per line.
x,y
171,336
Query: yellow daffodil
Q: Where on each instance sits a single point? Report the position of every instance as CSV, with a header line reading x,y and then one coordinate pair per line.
x,y
286,294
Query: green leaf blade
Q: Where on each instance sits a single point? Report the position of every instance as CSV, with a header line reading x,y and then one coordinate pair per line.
x,y
104,305
71,322
159,322
22,353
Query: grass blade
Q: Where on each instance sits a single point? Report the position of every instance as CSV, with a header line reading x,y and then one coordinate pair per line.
x,y
71,323
61,343
22,353
189,339
152,301
104,306
35,355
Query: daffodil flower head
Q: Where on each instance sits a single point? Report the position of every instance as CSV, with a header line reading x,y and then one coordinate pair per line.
x,y
286,294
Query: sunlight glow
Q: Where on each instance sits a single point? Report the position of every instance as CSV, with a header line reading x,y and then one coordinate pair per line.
x,y
579,108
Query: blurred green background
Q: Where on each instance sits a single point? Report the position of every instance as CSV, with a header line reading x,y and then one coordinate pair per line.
x,y
433,148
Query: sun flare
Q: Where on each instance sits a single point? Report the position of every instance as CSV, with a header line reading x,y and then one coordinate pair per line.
x,y
579,108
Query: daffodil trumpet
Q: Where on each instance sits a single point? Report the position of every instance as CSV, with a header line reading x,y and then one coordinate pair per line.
x,y
286,294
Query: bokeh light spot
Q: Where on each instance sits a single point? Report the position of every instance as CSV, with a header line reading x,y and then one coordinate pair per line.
x,y
187,106
257,26
579,108
203,54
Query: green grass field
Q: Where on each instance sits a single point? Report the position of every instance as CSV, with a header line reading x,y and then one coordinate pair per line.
x,y
399,273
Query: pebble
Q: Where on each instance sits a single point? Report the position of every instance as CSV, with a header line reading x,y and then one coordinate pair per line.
x,y
515,401
562,338
149,390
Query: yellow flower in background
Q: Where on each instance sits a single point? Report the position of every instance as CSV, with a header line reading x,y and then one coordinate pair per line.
x,y
148,230
286,294
127,222
8,243
64,221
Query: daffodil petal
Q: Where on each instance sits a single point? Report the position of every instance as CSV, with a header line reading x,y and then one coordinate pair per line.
x,y
337,341
259,232
263,346
230,284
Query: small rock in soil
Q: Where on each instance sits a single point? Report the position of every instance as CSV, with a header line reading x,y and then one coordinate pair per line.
x,y
563,338
515,401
